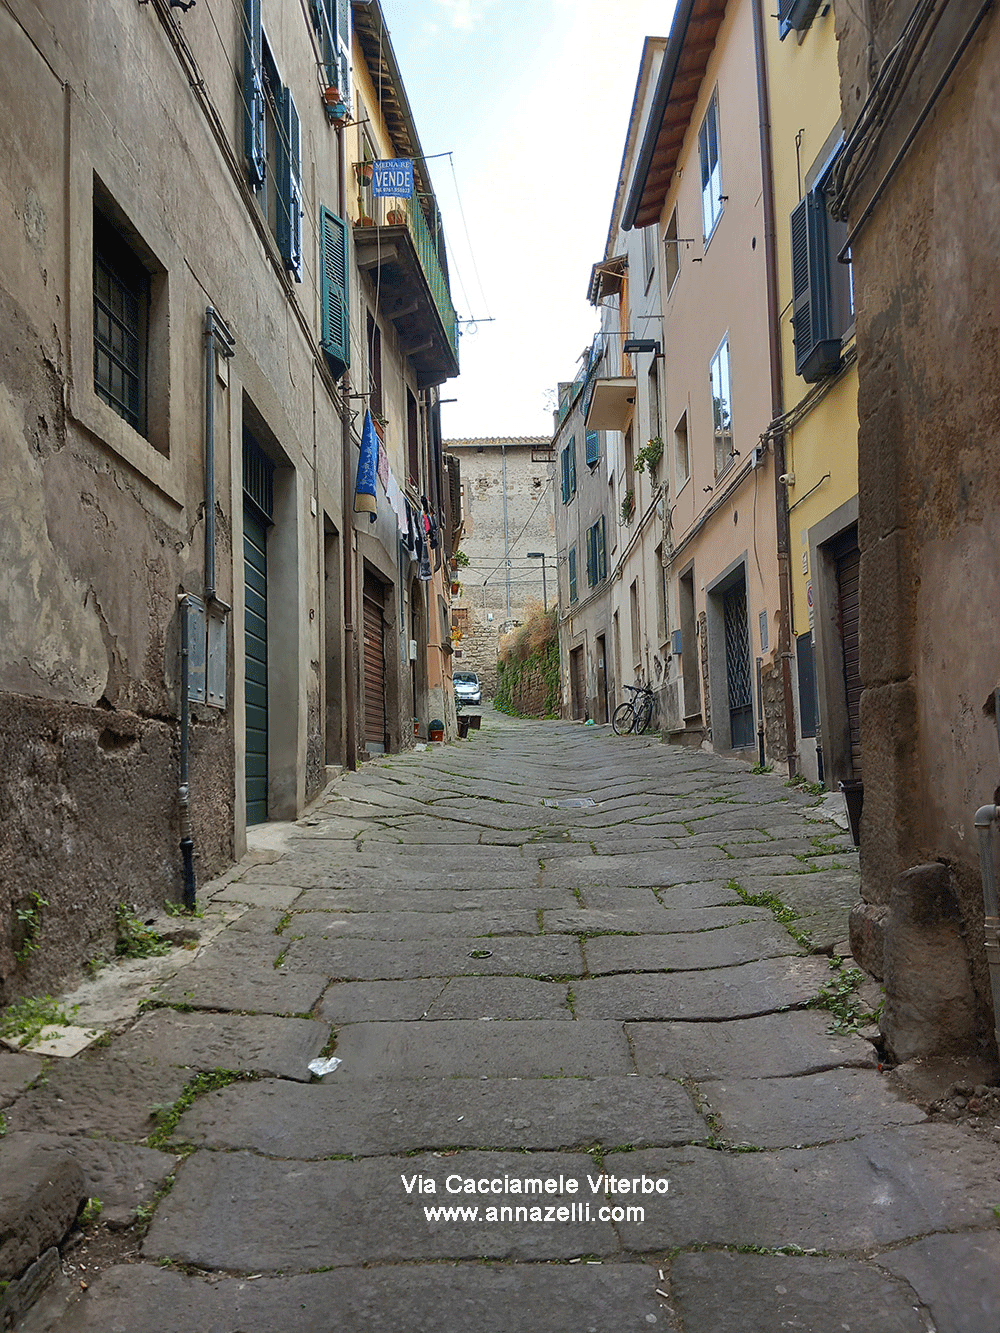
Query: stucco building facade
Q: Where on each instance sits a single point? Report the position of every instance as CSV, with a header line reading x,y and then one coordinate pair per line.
x,y
507,512
184,366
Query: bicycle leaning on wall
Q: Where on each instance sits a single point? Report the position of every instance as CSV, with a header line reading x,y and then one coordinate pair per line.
x,y
636,713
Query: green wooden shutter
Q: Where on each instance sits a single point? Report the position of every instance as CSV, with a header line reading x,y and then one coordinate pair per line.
x,y
334,292
572,574
289,174
564,463
816,352
593,447
572,466
590,558
602,557
254,146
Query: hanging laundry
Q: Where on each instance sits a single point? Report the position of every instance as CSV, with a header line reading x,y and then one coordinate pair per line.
x,y
364,487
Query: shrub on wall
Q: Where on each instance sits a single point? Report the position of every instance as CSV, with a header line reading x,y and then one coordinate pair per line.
x,y
528,667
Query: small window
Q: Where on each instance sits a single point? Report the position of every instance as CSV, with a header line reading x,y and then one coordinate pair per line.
x,y
711,167
722,408
649,253
593,448
568,460
121,323
682,458
571,564
671,252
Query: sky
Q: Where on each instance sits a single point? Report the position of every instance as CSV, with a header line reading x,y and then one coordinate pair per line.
x,y
531,99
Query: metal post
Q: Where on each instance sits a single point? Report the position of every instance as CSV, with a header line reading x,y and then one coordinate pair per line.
x,y
985,821
506,546
545,595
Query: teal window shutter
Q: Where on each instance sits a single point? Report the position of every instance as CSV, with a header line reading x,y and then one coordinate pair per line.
x,y
254,143
590,558
602,557
593,447
290,186
334,291
572,466
564,463
817,351
572,574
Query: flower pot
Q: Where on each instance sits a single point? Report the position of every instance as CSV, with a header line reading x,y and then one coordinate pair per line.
x,y
436,734
463,727
396,217
363,171
416,727
475,721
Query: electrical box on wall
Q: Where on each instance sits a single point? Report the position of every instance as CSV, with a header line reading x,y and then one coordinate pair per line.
x,y
413,650
676,642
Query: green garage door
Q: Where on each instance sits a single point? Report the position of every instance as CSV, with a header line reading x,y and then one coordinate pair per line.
x,y
258,506
255,583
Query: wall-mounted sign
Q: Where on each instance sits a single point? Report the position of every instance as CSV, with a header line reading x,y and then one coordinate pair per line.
x,y
392,178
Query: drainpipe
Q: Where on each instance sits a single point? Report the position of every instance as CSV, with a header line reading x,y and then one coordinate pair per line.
x,y
777,397
347,525
217,338
184,790
986,818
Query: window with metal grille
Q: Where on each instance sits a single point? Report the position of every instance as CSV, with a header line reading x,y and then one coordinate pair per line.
x,y
121,320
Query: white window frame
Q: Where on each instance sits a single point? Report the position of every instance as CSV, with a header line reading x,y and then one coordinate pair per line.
x,y
711,189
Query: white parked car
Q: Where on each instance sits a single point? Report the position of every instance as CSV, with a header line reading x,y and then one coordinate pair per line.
x,y
467,688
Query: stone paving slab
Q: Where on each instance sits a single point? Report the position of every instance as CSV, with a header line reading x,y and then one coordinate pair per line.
x,y
379,1001
555,956
261,1044
725,992
328,1214
257,895
472,860
609,842
100,1094
402,899
501,998
368,1118
471,1048
349,875
955,1277
816,1108
772,1046
428,1298
688,952
40,1193
17,1070
413,925
756,1293
651,919
646,870
121,1175
842,1198
224,982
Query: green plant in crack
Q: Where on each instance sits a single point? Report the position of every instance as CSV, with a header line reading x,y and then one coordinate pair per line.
x,y
178,909
27,1019
134,939
800,781
839,998
90,1212
201,1085
29,926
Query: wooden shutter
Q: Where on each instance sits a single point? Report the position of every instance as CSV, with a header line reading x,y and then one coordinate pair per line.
x,y
254,143
564,463
572,466
591,575
601,552
816,351
336,323
593,447
290,185
572,574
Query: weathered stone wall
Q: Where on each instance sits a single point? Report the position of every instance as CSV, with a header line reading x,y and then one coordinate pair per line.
x,y
928,320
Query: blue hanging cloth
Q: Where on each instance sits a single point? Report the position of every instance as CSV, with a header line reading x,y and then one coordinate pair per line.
x,y
364,487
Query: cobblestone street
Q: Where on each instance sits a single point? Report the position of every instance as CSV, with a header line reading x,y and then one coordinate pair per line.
x,y
545,954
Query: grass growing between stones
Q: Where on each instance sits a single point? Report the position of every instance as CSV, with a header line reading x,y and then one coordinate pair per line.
x,y
201,1085
27,1019
134,939
838,997
781,912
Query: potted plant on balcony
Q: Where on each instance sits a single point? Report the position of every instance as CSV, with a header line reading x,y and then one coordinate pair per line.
x,y
628,507
396,217
363,171
648,457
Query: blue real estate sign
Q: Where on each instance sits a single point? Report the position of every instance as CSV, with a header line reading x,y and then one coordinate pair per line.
x,y
392,178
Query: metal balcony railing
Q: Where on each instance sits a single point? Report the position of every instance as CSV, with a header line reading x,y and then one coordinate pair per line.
x,y
426,250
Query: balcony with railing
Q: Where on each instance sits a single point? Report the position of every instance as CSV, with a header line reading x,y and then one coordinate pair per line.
x,y
413,287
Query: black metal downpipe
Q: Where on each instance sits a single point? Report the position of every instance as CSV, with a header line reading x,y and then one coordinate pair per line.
x,y
184,790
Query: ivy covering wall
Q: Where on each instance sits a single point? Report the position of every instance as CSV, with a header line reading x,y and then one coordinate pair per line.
x,y
528,668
